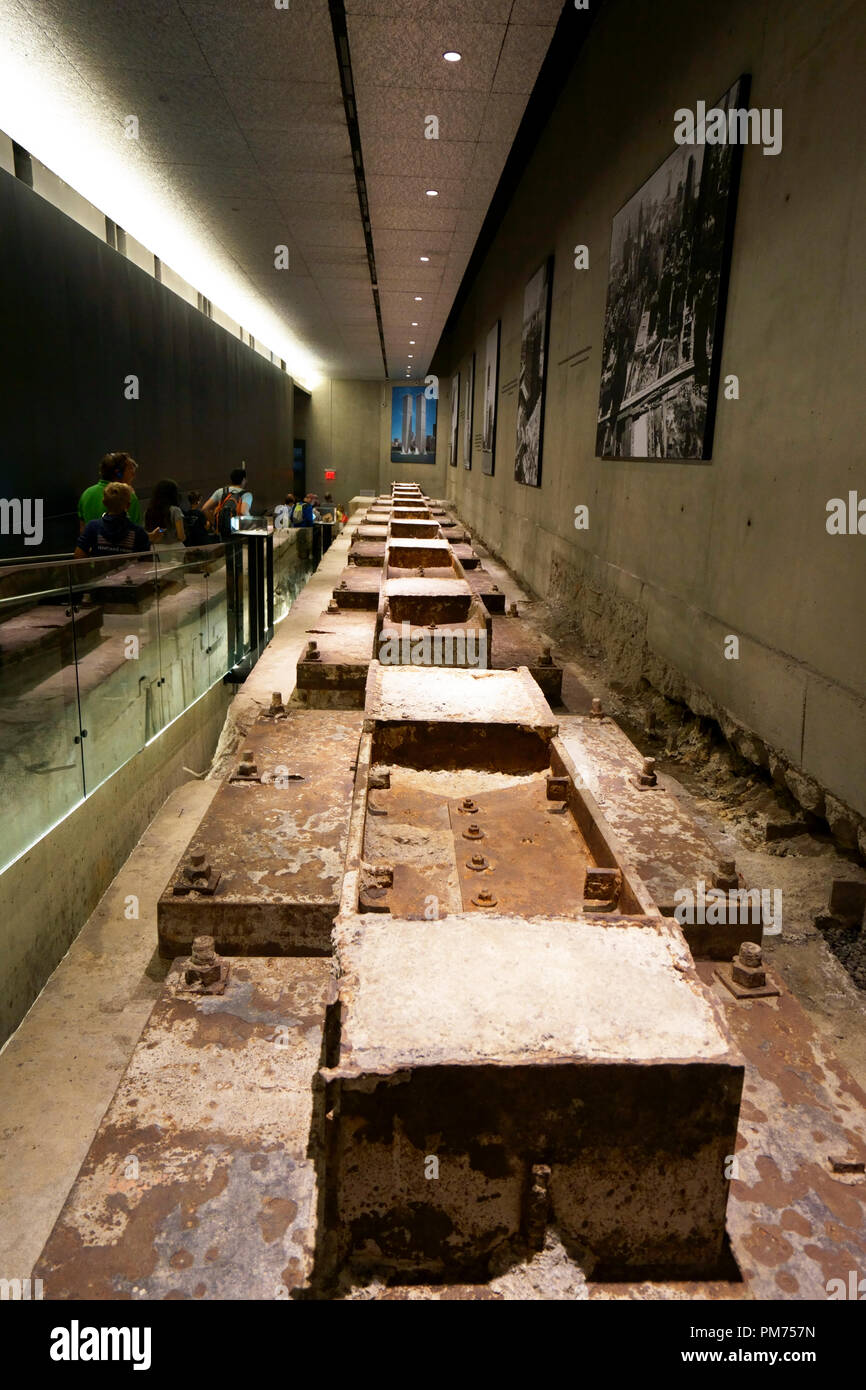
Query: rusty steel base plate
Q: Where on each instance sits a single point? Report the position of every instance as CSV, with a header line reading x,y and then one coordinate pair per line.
x,y
200,1182
370,553
344,648
517,643
466,555
278,843
483,584
667,847
793,1223
534,859
358,587
766,991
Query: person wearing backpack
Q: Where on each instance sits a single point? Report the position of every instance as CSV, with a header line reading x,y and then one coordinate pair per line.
x,y
195,525
227,503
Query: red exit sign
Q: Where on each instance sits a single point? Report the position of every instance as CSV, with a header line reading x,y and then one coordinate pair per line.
x,y
330,475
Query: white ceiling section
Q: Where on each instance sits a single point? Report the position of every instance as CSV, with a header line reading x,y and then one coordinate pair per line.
x,y
400,78
244,146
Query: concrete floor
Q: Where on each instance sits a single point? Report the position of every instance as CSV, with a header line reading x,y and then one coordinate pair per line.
x,y
60,1069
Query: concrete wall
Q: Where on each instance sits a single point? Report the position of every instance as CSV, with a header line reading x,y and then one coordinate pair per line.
x,y
343,434
677,555
350,431
51,890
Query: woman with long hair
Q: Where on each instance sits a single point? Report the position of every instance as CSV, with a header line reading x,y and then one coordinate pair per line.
x,y
164,513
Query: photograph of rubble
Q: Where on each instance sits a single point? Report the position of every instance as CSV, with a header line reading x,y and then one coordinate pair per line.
x,y
530,384
670,246
455,418
468,411
491,400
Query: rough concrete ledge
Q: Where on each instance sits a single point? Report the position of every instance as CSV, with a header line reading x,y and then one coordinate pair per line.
x,y
633,629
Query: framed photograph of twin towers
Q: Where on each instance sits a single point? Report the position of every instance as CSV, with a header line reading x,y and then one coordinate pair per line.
x,y
413,425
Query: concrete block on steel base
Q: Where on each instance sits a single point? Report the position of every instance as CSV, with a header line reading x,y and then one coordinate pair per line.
x,y
581,1059
358,587
463,718
332,669
274,839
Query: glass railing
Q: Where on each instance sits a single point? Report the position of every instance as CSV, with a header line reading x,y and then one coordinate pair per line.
x,y
98,656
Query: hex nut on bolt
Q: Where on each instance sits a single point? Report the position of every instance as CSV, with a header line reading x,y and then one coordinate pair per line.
x,y
204,966
647,775
485,898
726,875
746,968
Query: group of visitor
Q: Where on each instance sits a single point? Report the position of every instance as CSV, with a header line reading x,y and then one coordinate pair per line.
x,y
110,520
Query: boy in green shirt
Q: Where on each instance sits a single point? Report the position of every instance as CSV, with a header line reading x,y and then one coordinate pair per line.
x,y
118,467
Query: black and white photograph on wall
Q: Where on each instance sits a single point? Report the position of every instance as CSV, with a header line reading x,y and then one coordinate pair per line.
x,y
491,396
455,412
669,257
468,402
533,364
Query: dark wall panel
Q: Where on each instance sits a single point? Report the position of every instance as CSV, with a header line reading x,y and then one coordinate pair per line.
x,y
77,318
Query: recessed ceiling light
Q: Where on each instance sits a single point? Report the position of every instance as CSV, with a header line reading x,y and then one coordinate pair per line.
x,y
411,342
451,56
410,354
425,258
413,324
418,299
432,192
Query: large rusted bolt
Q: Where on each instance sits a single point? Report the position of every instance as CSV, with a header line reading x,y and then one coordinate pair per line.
x,y
746,968
473,832
247,767
477,862
197,870
514,610
203,950
596,711
726,875
204,966
468,804
647,775
546,658
485,898
276,702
